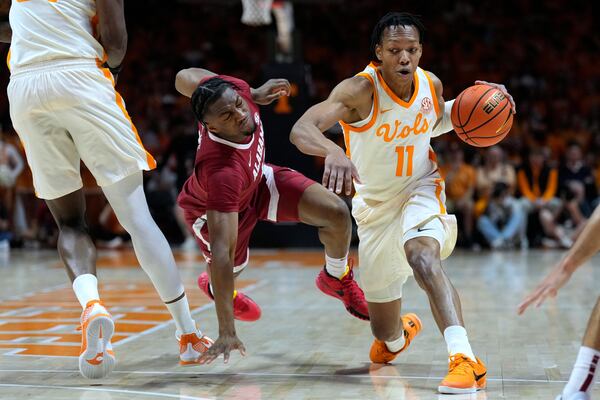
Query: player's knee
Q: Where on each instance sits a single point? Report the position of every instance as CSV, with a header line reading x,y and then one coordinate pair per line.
x,y
338,213
76,224
385,332
423,259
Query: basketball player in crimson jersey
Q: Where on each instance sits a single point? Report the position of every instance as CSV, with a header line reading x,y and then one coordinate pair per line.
x,y
581,381
389,112
232,188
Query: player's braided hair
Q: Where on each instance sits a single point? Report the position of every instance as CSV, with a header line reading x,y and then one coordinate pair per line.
x,y
395,19
207,93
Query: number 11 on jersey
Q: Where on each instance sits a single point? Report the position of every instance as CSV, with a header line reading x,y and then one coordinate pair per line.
x,y
400,150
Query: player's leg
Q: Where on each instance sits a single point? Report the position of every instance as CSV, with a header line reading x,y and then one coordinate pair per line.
x,y
244,308
306,201
78,253
581,381
466,372
392,333
109,145
54,163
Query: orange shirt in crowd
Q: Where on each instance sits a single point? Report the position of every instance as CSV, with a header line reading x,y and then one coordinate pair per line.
x,y
532,191
458,182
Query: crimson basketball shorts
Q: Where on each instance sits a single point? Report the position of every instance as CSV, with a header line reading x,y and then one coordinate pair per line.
x,y
276,199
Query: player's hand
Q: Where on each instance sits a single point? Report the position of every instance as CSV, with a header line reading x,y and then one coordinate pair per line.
x,y
548,288
271,91
502,89
223,345
339,172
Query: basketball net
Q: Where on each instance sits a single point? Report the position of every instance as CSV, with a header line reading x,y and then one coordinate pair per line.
x,y
257,12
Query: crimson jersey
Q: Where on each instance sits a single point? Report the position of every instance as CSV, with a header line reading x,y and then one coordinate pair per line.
x,y
226,174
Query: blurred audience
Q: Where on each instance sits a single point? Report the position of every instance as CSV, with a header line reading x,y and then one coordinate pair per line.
x,y
558,104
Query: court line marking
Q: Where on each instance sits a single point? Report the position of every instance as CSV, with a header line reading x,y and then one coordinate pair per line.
x,y
133,392
269,374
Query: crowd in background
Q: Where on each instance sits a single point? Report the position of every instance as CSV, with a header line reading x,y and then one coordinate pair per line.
x,y
535,189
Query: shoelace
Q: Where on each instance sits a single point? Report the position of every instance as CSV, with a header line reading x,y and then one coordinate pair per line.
x,y
351,287
460,364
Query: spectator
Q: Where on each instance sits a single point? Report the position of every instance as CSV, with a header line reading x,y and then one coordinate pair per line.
x,y
502,220
538,186
494,170
11,166
460,188
575,169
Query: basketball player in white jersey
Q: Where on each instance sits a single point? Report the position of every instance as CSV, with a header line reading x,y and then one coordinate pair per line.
x,y
389,113
64,58
581,381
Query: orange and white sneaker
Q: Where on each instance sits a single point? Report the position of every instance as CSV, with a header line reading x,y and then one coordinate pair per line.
x,y
379,352
191,348
97,359
464,375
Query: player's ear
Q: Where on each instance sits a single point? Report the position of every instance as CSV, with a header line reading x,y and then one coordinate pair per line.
x,y
379,52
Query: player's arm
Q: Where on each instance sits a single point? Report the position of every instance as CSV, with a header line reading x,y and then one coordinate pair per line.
x,y
113,32
583,249
223,228
307,133
187,80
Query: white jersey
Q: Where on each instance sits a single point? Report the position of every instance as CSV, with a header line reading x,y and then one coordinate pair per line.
x,y
390,148
45,30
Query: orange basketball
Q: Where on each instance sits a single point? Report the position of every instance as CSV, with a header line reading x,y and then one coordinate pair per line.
x,y
481,116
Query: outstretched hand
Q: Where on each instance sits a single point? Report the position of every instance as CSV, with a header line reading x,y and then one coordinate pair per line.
x,y
548,288
223,345
503,90
271,90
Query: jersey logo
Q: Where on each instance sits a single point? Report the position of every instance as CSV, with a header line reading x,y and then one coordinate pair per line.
x,y
401,130
426,105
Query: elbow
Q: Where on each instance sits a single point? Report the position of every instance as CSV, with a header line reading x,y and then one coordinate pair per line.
x,y
295,134
115,45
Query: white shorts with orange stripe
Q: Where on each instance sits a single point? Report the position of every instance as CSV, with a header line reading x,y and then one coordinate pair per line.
x,y
383,228
66,111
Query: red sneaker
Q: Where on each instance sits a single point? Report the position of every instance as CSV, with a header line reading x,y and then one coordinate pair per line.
x,y
244,308
345,289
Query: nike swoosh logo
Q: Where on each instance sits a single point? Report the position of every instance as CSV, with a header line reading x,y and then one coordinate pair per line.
x,y
478,377
340,292
384,111
422,230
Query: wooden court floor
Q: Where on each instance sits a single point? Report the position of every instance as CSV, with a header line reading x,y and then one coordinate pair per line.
x,y
305,346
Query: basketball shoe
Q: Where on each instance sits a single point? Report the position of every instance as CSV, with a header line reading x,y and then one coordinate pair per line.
x,y
464,376
244,308
97,358
379,352
191,347
347,290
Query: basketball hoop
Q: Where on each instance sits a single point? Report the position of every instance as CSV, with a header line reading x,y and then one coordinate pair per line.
x,y
257,12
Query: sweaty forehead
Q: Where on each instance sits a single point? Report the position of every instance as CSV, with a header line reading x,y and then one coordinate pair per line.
x,y
400,32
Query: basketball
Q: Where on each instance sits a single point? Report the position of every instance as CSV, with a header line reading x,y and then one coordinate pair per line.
x,y
481,116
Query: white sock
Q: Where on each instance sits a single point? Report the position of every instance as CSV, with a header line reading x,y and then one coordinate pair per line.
x,y
336,266
86,289
395,345
180,310
457,341
584,371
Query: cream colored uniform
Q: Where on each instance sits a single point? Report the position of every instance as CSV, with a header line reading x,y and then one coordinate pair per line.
x,y
402,194
63,104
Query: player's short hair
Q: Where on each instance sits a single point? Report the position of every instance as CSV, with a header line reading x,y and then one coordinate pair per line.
x,y
207,94
395,19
